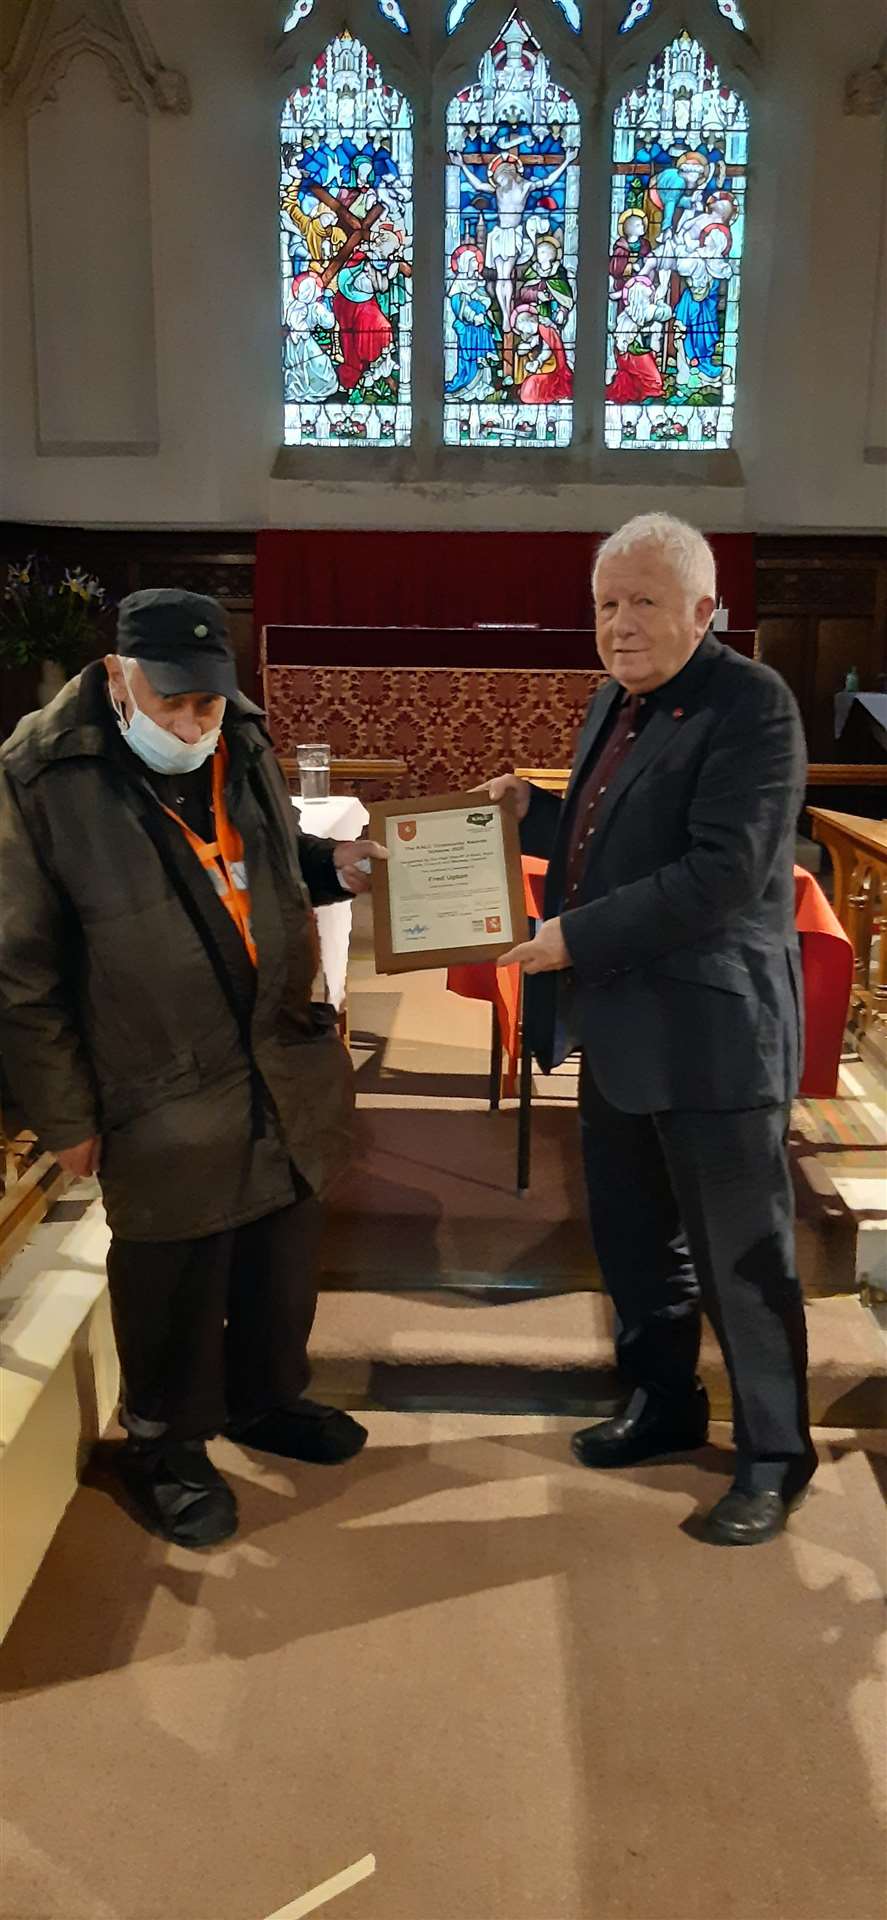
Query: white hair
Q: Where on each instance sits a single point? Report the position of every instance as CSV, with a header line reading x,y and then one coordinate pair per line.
x,y
686,549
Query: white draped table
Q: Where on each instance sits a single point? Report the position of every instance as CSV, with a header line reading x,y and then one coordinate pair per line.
x,y
341,817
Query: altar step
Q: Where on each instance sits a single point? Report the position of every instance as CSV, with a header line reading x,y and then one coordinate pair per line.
x,y
464,1345
467,1350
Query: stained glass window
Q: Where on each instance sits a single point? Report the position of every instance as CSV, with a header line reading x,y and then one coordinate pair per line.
x,y
512,241
571,10
395,13
346,249
677,220
638,10
392,10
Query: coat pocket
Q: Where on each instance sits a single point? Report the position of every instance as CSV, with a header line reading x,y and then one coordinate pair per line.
x,y
707,970
144,1089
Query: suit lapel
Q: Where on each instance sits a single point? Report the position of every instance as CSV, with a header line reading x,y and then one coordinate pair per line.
x,y
589,740
652,740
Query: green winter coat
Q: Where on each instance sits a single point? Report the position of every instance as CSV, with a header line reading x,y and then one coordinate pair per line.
x,y
114,1019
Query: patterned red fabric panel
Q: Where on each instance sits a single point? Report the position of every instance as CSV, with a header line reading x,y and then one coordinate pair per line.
x,y
452,726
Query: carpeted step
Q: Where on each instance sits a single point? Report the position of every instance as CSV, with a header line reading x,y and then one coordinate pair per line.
x,y
464,1350
431,1200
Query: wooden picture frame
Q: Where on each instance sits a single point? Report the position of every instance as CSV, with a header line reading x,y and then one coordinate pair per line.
x,y
487,950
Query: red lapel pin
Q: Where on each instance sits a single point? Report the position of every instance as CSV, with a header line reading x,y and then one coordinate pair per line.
x,y
678,713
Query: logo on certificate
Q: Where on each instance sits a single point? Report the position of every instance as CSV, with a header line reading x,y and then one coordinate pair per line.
x,y
406,829
492,923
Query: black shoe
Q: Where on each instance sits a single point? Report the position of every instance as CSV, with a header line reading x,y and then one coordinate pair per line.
x,y
746,1518
645,1432
178,1491
309,1431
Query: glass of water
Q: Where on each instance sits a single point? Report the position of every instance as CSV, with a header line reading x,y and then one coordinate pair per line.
x,y
313,762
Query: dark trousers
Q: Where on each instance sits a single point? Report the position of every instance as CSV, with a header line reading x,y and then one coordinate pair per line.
x,y
692,1211
216,1330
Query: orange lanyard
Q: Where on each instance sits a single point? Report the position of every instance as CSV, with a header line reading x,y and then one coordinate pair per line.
x,y
222,859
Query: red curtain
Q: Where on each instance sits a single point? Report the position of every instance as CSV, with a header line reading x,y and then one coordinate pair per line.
x,y
407,580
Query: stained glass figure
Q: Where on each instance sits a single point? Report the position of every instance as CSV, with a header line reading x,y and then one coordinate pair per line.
x,y
638,10
571,10
677,225
346,249
512,242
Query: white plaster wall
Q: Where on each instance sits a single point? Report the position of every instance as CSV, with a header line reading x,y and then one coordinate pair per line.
x,y
92,283
808,312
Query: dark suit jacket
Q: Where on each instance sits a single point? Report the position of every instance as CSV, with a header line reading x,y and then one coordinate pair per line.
x,y
685,988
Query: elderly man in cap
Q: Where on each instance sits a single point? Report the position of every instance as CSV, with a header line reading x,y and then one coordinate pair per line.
x,y
157,1028
669,956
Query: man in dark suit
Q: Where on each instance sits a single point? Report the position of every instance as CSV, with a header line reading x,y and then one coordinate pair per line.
x,y
669,955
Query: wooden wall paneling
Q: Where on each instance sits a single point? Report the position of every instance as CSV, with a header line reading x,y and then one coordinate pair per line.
x,y
789,646
822,607
840,645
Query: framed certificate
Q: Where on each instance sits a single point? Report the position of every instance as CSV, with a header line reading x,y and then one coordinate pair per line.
x,y
452,889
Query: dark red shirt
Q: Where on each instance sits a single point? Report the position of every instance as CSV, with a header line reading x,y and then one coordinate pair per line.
x,y
630,714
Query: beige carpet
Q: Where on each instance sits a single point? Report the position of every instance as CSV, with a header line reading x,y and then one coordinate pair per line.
x,y
525,1688
431,1199
488,1354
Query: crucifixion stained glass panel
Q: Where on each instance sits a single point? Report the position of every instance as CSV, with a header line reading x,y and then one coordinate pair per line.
x,y
511,244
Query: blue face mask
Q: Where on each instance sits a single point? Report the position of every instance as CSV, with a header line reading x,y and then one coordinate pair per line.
x,y
161,751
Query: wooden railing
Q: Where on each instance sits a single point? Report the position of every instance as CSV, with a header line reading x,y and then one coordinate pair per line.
x,y
858,851
29,1182
349,773
820,773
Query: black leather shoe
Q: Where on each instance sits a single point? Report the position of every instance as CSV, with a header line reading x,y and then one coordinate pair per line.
x,y
178,1492
655,1428
744,1518
309,1431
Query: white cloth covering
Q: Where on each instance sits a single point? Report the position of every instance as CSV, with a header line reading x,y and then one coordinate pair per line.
x,y
341,817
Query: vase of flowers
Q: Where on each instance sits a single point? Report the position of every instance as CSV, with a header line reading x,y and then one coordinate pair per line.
x,y
49,624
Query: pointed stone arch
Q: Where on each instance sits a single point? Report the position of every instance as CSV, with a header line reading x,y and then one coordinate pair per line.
x,y
56,32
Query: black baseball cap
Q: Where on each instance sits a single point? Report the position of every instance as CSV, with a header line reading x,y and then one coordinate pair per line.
x,y
180,640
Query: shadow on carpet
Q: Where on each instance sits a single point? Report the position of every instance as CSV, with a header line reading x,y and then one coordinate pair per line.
x,y
431,1200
